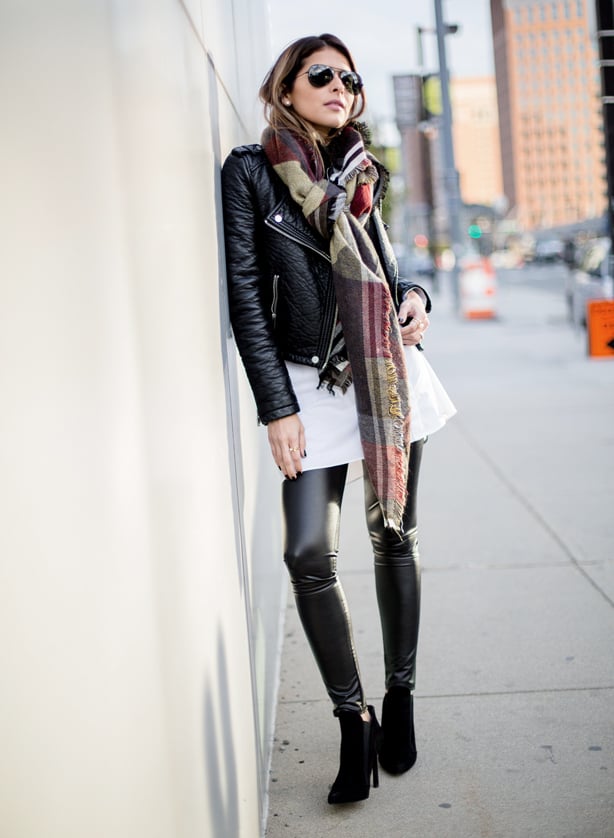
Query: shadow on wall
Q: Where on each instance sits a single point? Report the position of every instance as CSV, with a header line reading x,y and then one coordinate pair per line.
x,y
228,357
219,747
259,568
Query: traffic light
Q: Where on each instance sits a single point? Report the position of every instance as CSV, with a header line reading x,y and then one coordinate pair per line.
x,y
474,231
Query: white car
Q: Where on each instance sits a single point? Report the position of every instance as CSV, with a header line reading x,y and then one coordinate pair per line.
x,y
591,280
548,251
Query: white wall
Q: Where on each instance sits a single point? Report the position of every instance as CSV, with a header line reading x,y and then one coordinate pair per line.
x,y
136,565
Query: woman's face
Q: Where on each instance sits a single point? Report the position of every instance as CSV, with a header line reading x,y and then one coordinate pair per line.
x,y
327,107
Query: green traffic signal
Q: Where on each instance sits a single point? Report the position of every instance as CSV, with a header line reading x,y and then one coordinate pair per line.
x,y
475,231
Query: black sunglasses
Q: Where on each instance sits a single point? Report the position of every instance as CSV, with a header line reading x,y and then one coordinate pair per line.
x,y
319,75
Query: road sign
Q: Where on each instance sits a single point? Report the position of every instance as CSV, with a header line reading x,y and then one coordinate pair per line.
x,y
600,328
407,100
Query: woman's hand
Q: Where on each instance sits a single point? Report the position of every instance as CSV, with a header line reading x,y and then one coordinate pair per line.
x,y
287,441
413,319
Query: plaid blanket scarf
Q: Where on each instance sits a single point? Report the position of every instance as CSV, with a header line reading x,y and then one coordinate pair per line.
x,y
338,206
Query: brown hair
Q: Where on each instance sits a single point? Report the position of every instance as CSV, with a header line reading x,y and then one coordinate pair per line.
x,y
280,80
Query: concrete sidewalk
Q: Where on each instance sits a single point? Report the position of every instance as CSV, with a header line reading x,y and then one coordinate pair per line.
x,y
515,695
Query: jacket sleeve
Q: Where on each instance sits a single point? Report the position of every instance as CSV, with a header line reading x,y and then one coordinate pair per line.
x,y
405,286
250,315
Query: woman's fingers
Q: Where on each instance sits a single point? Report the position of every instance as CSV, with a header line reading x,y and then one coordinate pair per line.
x,y
413,319
414,331
287,441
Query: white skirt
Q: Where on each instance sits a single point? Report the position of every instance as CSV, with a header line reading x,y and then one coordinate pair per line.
x,y
331,423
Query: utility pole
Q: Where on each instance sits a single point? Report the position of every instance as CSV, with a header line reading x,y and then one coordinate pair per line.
x,y
605,38
450,173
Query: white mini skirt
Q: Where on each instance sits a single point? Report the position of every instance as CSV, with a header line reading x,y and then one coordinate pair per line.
x,y
331,423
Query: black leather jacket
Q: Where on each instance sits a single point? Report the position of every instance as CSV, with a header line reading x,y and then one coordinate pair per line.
x,y
281,295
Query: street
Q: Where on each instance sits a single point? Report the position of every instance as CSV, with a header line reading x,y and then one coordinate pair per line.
x,y
546,277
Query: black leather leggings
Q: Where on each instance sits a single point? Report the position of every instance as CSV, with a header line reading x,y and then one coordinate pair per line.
x,y
312,507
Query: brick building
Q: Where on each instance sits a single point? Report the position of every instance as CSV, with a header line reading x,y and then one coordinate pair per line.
x,y
548,89
477,150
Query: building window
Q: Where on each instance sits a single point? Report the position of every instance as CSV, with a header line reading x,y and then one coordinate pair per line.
x,y
580,8
555,10
529,14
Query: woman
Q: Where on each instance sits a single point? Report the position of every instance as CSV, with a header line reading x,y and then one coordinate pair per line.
x,y
323,323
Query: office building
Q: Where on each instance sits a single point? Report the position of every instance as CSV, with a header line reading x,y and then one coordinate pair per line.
x,y
477,151
550,117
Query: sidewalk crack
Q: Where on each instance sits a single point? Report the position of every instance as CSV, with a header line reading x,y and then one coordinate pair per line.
x,y
471,441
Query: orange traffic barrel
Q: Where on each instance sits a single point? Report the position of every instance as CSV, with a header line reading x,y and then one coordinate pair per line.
x,y
478,287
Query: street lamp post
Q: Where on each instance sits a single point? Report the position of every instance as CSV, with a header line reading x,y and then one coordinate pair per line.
x,y
449,29
450,173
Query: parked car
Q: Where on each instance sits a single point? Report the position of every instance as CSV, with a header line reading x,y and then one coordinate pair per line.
x,y
550,250
420,264
414,263
591,280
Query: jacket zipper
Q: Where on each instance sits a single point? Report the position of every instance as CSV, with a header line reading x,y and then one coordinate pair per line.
x,y
305,243
293,237
275,298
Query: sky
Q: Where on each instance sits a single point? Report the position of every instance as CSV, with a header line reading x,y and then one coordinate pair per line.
x,y
382,38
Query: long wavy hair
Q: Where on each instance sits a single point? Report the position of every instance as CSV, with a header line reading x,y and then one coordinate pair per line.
x,y
280,80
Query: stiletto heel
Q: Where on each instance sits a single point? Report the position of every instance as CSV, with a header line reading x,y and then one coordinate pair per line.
x,y
376,733
397,747
357,757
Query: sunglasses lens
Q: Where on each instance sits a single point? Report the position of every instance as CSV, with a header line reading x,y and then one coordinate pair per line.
x,y
320,75
351,81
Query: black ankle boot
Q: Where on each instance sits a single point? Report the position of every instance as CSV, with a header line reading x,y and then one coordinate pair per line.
x,y
358,757
397,748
